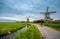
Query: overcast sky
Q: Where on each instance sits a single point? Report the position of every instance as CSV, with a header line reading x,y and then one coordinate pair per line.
x,y
19,9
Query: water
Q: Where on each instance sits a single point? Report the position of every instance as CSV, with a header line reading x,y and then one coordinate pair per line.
x,y
9,36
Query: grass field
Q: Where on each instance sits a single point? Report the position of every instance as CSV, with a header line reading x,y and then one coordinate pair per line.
x,y
53,25
6,27
30,33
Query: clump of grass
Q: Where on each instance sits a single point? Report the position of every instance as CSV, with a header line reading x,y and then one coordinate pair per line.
x,y
53,25
6,27
31,33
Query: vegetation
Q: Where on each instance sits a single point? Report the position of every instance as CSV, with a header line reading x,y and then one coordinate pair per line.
x,y
9,27
30,33
56,21
53,25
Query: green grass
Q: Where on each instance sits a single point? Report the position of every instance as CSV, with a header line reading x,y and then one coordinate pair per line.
x,y
6,27
53,25
30,33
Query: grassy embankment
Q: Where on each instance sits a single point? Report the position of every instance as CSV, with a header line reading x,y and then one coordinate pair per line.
x,y
30,33
6,27
53,25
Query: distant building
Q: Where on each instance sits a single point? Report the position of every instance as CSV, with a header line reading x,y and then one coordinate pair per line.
x,y
56,21
38,21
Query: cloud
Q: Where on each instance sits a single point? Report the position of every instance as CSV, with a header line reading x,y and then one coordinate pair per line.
x,y
8,18
19,17
26,7
19,9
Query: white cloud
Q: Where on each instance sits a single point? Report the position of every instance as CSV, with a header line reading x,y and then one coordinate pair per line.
x,y
25,7
17,18
9,18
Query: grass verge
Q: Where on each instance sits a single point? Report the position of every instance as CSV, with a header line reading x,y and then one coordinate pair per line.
x,y
30,33
9,27
53,25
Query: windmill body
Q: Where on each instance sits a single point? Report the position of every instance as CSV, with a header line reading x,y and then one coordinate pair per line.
x,y
47,14
27,19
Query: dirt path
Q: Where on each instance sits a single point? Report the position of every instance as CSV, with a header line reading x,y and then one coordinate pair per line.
x,y
48,33
9,36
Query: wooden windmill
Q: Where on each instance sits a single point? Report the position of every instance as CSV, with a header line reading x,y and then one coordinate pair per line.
x,y
47,14
27,19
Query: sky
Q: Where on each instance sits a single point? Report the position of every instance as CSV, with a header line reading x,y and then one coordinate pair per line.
x,y
17,10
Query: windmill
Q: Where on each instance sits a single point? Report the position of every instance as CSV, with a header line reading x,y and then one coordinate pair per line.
x,y
47,14
27,21
27,18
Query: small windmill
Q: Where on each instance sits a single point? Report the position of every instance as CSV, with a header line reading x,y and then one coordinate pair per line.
x,y
47,14
27,18
27,21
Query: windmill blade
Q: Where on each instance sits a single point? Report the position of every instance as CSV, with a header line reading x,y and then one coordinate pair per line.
x,y
47,9
52,12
